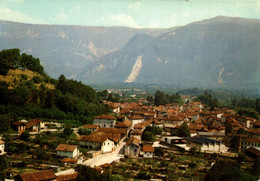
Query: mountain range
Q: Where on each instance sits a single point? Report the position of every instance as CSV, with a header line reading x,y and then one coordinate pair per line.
x,y
217,52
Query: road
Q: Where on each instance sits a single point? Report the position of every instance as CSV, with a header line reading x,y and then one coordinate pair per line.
x,y
99,160
106,158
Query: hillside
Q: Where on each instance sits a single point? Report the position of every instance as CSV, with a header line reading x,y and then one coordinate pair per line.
x,y
66,49
15,77
26,91
219,52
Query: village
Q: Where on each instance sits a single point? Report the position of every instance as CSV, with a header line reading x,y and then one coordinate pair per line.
x,y
133,131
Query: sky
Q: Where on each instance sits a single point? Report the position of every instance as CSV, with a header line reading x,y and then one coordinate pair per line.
x,y
130,13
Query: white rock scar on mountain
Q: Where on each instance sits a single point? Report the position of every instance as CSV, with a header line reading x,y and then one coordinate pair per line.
x,y
135,70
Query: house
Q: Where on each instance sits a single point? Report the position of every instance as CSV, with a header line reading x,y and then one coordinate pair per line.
x,y
117,134
148,151
114,107
132,147
70,151
206,144
127,125
36,176
250,143
19,126
2,147
136,133
35,125
136,119
103,142
91,127
105,121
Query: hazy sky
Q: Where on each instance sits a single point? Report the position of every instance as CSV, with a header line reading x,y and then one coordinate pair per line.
x,y
138,14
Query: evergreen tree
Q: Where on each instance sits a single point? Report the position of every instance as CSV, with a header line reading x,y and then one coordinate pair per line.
x,y
184,130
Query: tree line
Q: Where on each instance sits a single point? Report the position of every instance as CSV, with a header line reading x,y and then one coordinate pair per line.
x,y
69,100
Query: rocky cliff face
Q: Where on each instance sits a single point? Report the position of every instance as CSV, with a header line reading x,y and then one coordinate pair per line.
x,y
66,49
217,52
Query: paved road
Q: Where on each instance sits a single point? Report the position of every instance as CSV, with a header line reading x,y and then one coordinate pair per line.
x,y
106,158
99,160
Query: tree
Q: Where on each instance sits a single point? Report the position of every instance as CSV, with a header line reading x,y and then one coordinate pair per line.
x,y
148,136
159,151
67,132
184,130
143,175
84,131
41,154
193,150
87,173
241,157
25,136
257,105
256,167
160,98
3,166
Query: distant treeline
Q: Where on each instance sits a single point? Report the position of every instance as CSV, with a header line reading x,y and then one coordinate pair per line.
x,y
69,100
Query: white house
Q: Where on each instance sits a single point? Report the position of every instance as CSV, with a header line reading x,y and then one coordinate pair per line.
x,y
98,141
148,151
2,147
70,151
206,144
132,147
105,121
136,119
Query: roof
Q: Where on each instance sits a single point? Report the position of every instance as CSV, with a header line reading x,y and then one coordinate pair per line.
x,y
90,126
136,117
69,160
195,126
18,123
33,122
125,124
137,132
202,140
65,147
100,137
133,141
112,130
38,176
148,148
253,140
254,150
105,116
67,177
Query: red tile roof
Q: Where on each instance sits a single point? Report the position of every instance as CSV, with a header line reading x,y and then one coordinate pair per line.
x,y
148,148
100,137
90,126
33,122
69,160
67,177
38,176
105,116
125,124
66,148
